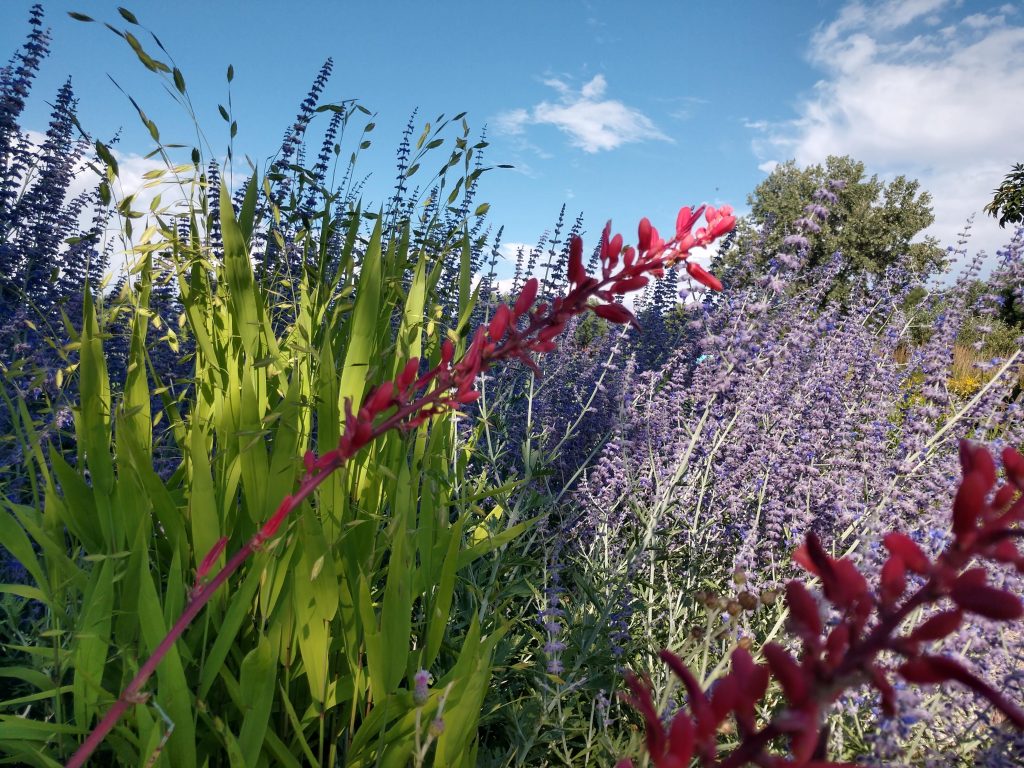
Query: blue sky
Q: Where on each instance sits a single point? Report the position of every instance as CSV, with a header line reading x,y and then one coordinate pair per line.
x,y
619,110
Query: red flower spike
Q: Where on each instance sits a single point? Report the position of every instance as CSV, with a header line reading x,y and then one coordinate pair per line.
x,y
912,555
702,276
499,323
893,581
938,626
576,272
309,461
526,298
643,235
804,610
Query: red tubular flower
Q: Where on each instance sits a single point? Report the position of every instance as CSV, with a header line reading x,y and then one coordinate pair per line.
x,y
702,276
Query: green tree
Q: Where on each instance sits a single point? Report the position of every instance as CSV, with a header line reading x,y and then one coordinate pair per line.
x,y
1008,200
872,223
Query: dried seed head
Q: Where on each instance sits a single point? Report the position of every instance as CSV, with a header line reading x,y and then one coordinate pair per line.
x,y
748,600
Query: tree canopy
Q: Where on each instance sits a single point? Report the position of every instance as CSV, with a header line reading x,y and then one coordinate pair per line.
x,y
1008,200
872,224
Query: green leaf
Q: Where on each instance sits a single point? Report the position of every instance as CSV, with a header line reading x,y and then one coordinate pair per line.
x,y
172,692
257,678
366,314
106,156
92,636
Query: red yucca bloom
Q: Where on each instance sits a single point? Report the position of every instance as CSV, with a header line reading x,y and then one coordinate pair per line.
x,y
520,331
986,523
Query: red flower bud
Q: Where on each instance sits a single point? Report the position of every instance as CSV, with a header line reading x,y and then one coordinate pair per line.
x,y
613,250
526,298
499,323
576,272
787,672
938,626
643,239
702,276
969,503
615,313
686,219
680,740
893,579
986,601
913,557
211,558
629,285
408,374
1013,464
804,610
447,352
380,399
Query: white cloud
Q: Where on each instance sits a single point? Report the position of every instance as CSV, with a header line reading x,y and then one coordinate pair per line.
x,y
592,122
940,103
